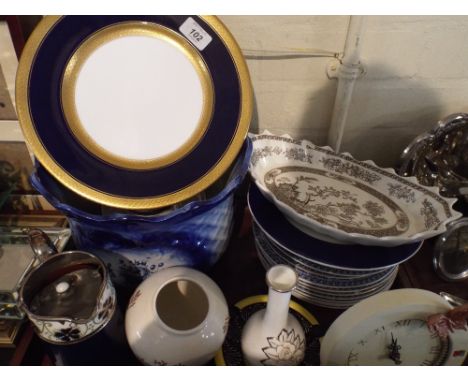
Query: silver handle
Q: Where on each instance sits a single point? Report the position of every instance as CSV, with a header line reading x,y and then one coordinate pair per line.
x,y
41,244
453,300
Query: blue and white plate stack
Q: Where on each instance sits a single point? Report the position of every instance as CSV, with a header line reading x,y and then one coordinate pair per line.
x,y
330,275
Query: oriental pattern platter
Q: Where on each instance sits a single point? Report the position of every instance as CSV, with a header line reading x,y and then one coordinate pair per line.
x,y
338,259
336,198
134,112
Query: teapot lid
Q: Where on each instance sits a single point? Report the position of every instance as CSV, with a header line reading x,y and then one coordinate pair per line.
x,y
67,286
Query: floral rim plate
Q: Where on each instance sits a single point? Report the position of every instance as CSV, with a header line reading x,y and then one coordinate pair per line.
x,y
134,112
346,257
332,287
334,301
337,198
231,354
307,264
326,282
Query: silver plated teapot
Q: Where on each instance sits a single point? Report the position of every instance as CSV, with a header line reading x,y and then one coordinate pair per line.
x,y
68,296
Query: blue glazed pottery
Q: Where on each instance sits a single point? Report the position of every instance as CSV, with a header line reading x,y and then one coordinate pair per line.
x,y
136,245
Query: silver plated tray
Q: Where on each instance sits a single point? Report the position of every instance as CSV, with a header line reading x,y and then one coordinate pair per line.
x,y
336,198
450,258
438,157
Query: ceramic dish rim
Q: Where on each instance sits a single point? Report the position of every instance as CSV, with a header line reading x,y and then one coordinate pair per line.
x,y
369,306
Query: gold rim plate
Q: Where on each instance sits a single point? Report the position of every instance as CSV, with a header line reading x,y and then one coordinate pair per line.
x,y
68,106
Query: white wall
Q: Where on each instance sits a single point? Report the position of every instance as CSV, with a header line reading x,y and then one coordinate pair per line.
x,y
9,130
292,95
417,73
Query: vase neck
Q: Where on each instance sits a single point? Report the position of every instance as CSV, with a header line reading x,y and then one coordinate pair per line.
x,y
277,309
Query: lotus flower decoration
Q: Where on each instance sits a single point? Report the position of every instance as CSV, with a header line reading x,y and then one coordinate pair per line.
x,y
287,349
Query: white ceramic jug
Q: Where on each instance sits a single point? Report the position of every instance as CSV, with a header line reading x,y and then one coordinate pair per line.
x,y
177,316
273,336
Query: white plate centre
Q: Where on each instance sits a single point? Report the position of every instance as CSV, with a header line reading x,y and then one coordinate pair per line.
x,y
139,97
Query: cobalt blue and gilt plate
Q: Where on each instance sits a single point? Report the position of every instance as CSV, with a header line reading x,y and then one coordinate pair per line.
x,y
352,257
134,112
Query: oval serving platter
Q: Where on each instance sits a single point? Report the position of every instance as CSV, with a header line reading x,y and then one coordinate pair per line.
x,y
336,198
354,257
134,112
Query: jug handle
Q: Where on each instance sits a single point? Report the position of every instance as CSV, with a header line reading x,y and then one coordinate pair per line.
x,y
41,244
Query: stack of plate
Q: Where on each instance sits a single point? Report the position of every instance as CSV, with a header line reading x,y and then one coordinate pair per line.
x,y
326,286
330,275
